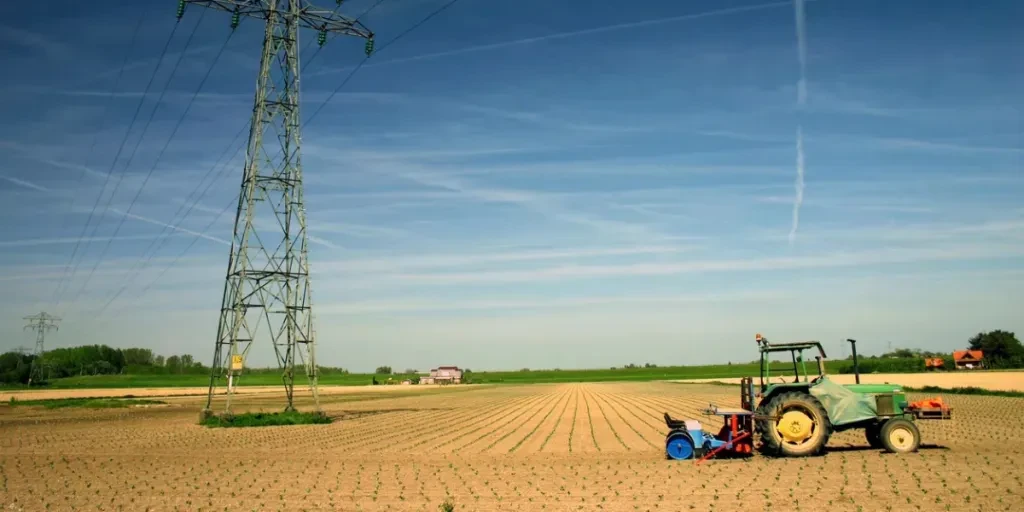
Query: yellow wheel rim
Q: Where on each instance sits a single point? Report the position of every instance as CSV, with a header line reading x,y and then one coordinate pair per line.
x,y
901,438
795,427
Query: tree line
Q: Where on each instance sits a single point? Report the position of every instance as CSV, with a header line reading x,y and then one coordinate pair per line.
x,y
16,367
1001,350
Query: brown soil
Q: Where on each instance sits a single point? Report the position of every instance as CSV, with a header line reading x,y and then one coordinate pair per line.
x,y
488,448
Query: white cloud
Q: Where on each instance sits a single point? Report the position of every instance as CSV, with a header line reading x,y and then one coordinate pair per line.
x,y
537,202
534,303
837,259
32,242
361,265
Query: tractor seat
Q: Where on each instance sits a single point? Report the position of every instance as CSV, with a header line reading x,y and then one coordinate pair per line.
x,y
673,423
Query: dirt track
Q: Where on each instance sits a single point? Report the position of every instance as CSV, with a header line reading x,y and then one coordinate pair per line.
x,y
997,381
540,447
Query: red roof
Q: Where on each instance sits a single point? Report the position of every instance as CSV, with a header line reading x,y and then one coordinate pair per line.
x,y
447,367
976,355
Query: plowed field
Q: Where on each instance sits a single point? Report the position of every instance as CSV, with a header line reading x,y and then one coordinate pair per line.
x,y
539,447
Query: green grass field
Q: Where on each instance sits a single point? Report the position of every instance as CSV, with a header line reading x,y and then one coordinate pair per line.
x,y
86,403
266,378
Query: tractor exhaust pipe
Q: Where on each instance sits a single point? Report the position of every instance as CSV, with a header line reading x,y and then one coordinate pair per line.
x,y
856,367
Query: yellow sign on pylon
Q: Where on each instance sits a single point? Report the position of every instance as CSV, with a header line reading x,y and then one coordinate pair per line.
x,y
236,362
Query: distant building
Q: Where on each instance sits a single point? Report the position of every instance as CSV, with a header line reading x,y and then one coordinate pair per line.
x,y
968,359
443,375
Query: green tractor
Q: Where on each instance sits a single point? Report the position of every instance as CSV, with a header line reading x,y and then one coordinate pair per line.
x,y
798,413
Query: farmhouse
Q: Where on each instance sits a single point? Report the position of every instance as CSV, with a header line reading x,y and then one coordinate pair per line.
x,y
968,359
443,375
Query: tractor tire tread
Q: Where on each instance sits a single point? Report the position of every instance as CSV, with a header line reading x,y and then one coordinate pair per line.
x,y
892,423
765,428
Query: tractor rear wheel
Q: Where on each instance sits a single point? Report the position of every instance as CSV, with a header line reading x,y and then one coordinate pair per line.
x,y
799,426
873,433
900,435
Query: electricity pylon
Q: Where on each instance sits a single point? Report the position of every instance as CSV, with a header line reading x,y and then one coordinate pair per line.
x,y
267,290
40,323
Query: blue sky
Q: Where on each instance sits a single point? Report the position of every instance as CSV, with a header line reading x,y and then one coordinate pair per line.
x,y
538,184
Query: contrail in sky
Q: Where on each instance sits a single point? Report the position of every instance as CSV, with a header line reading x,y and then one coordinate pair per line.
x,y
170,226
26,184
801,100
577,33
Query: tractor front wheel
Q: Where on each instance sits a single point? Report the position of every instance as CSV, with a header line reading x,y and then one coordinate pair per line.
x,y
900,435
797,426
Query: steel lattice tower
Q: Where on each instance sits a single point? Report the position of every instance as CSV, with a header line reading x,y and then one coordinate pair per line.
x,y
40,323
267,289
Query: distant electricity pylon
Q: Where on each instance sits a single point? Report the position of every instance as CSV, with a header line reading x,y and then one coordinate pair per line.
x,y
40,323
267,290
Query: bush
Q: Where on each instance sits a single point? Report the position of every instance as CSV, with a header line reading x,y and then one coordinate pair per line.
x,y
265,419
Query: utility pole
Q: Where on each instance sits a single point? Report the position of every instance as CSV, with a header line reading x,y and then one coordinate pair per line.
x,y
40,323
267,288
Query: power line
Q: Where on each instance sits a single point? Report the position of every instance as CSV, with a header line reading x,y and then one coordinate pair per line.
x,y
131,157
145,264
66,279
160,155
161,238
308,120
96,135
404,33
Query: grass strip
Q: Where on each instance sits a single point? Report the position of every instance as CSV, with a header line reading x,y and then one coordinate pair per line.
x,y
264,419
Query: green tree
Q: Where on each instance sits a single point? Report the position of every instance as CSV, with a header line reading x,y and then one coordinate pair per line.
x,y
138,356
15,368
1002,349
383,370
173,364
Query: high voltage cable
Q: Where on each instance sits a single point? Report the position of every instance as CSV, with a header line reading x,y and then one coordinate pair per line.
x,y
161,237
352,73
171,225
142,137
160,155
96,137
187,248
144,263
65,278
308,120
